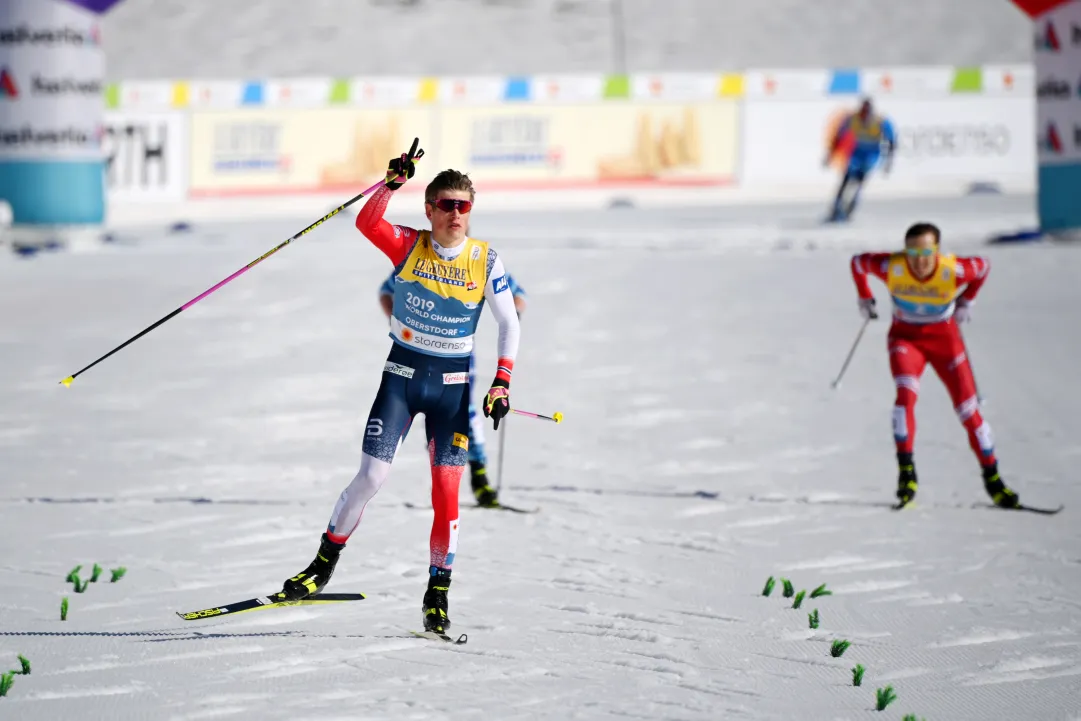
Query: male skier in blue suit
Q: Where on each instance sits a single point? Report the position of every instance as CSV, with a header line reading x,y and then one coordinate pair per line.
x,y
864,132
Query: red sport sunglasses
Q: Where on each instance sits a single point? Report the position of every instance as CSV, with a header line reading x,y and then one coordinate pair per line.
x,y
449,204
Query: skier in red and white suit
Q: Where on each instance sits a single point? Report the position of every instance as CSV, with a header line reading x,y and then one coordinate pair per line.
x,y
932,293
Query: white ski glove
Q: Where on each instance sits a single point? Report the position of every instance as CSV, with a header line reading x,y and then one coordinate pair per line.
x,y
962,313
867,308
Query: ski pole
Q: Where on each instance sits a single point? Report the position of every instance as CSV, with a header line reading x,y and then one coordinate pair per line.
x,y
556,417
851,353
968,357
413,155
502,455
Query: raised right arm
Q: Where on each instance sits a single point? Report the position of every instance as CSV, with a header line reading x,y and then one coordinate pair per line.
x,y
394,240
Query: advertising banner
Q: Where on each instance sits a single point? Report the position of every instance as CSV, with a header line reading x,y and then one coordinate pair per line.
x,y
51,106
1058,136
554,146
146,156
960,138
265,151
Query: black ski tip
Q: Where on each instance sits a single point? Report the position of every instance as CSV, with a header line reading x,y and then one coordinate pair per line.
x,y
514,509
461,640
337,597
1021,507
1037,509
413,148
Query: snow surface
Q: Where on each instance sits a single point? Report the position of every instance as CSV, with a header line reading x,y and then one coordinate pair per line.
x,y
703,451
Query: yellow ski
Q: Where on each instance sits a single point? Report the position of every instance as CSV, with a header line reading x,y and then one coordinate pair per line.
x,y
262,602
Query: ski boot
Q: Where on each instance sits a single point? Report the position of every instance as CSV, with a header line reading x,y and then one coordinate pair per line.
x,y
1001,494
312,579
486,496
906,479
435,600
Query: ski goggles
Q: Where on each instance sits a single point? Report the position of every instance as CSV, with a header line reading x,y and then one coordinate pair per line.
x,y
448,205
920,252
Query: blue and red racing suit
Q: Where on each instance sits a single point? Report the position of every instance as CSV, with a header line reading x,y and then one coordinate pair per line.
x,y
439,294
477,452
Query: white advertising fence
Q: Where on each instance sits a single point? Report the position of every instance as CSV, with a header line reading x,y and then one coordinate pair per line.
x,y
945,143
762,133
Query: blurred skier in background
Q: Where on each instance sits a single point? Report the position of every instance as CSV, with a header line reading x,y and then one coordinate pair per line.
x,y
478,457
932,293
861,136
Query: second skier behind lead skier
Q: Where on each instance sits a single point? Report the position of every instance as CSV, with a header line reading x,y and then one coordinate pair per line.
x,y
924,285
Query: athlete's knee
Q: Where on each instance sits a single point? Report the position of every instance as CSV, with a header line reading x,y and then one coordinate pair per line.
x,y
968,411
369,478
958,360
445,482
908,390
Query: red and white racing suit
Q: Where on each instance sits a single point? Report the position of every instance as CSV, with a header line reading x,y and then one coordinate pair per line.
x,y
924,331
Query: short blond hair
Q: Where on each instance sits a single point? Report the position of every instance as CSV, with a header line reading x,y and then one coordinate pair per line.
x,y
448,180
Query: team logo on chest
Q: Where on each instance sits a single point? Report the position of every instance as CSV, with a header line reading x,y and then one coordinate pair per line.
x,y
441,272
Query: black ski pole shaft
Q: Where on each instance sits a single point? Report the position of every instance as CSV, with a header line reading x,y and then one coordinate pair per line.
x,y
851,353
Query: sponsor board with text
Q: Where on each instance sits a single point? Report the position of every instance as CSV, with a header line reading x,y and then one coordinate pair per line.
x,y
975,139
549,145
289,151
146,156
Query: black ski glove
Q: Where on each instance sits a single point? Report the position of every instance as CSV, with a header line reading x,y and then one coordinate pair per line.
x,y
497,402
401,169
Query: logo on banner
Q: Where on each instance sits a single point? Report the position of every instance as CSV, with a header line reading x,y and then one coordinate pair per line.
x,y
513,140
24,35
8,88
40,85
248,147
1048,39
1053,88
136,154
1051,141
64,86
961,140
28,137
